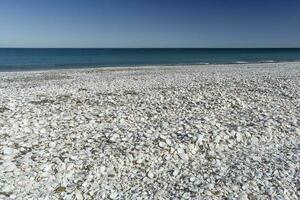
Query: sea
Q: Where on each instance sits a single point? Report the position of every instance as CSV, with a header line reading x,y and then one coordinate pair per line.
x,y
22,59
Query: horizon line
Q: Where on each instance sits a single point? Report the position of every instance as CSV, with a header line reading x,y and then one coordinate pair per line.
x,y
149,47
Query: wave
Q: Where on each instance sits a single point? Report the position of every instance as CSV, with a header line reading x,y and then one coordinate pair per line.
x,y
267,61
202,63
241,62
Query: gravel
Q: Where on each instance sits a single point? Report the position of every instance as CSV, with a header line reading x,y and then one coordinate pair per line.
x,y
181,132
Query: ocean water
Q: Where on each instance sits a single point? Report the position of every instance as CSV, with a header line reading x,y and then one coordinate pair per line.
x,y
16,59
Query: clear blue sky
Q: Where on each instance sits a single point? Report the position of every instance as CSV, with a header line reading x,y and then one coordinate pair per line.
x,y
149,23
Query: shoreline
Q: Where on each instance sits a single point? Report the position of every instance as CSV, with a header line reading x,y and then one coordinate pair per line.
x,y
158,66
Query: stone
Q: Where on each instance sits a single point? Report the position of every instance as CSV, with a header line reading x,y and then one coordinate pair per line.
x,y
9,167
182,154
52,144
150,175
113,195
78,195
8,151
162,144
175,172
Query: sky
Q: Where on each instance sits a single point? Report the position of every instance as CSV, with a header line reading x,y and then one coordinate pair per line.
x,y
150,23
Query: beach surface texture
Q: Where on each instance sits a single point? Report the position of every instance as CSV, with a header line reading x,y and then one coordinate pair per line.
x,y
182,132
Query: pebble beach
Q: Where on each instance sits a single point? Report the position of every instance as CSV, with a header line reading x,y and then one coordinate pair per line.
x,y
157,132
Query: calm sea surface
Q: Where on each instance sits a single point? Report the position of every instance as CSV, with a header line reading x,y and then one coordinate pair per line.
x,y
15,59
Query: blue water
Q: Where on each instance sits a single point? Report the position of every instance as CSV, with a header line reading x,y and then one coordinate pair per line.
x,y
15,59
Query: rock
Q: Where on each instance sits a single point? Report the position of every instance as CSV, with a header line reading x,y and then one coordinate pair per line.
x,y
243,196
27,130
186,195
43,131
8,151
297,131
200,139
168,142
175,172
162,144
238,137
182,154
102,170
78,195
47,167
52,144
114,137
9,167
113,195
150,175
60,189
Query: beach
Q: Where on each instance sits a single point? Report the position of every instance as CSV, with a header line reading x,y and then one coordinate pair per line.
x,y
154,132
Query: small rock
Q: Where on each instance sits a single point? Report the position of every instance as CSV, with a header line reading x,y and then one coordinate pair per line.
x,y
43,131
200,139
175,172
102,169
60,189
9,167
113,195
150,175
182,154
162,144
8,151
27,130
78,194
239,137
114,137
52,144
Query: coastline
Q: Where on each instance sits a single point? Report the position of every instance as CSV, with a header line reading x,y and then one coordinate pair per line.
x,y
153,66
18,59
197,131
